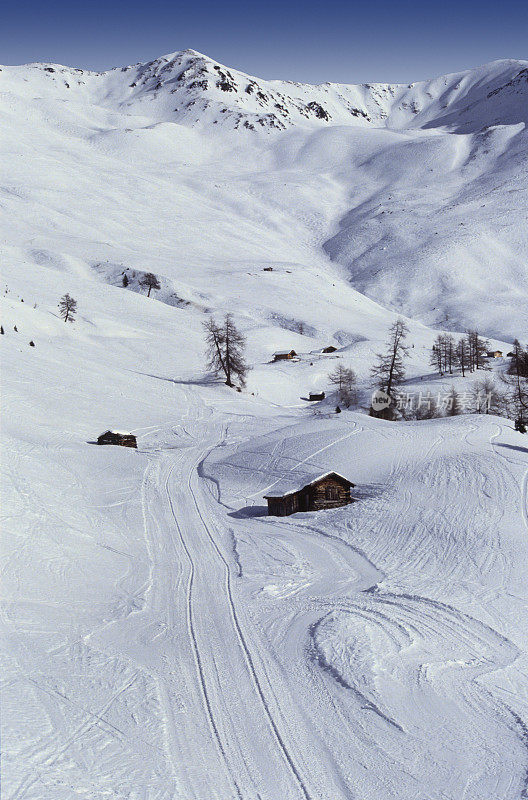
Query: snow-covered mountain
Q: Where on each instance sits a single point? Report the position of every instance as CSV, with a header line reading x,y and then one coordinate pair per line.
x,y
164,639
190,88
418,192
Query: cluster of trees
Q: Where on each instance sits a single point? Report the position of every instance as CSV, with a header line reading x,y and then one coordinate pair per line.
x,y
483,397
225,356
519,360
149,281
467,354
517,382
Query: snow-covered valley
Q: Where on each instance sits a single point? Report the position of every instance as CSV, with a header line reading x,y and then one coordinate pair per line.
x,y
163,637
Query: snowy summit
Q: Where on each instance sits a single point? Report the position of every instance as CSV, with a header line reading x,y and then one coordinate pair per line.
x,y
273,285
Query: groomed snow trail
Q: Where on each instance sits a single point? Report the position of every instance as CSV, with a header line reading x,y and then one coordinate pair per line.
x,y
297,694
376,651
233,735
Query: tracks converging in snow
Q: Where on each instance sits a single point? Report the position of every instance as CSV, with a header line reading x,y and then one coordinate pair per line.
x,y
386,665
210,610
375,649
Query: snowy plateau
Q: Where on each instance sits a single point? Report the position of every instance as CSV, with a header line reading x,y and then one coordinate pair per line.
x,y
163,638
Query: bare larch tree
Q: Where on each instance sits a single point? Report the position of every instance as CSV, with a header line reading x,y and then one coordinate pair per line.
x,y
517,380
67,308
389,371
151,281
344,379
225,349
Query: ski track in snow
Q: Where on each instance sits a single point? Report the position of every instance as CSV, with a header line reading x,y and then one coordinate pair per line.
x,y
163,638
308,657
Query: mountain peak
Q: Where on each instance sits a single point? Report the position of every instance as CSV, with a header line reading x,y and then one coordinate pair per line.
x,y
193,89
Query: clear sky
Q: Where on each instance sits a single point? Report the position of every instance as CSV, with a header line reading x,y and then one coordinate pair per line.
x,y
328,40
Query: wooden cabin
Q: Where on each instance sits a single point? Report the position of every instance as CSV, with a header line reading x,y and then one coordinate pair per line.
x,y
284,355
316,396
330,490
117,437
329,349
494,354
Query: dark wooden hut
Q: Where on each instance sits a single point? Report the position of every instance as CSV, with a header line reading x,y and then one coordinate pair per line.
x,y
284,355
329,349
316,396
117,437
330,490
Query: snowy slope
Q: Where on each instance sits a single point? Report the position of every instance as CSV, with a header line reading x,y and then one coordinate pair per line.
x,y
163,640
422,211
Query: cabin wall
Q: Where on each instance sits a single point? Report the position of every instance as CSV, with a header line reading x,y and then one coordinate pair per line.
x,y
123,441
311,498
283,506
340,495
128,443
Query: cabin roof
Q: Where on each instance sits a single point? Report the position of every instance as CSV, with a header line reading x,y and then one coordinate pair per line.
x,y
284,352
118,433
291,484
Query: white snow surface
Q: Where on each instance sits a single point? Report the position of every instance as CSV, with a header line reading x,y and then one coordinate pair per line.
x,y
163,639
418,193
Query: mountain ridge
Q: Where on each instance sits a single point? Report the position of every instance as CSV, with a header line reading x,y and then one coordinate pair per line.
x,y
423,217
190,88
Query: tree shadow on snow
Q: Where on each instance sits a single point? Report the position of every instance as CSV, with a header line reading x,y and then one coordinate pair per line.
x,y
514,447
206,381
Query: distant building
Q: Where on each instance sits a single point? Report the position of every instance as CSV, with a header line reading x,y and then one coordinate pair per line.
x,y
494,354
329,490
316,396
284,355
117,437
511,354
329,349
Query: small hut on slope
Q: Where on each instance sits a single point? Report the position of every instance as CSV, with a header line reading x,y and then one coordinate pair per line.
x,y
329,490
122,438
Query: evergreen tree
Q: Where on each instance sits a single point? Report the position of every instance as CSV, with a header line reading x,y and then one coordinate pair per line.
x,y
518,361
437,354
125,280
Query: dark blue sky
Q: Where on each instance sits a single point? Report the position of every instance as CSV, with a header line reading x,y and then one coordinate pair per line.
x,y
329,40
